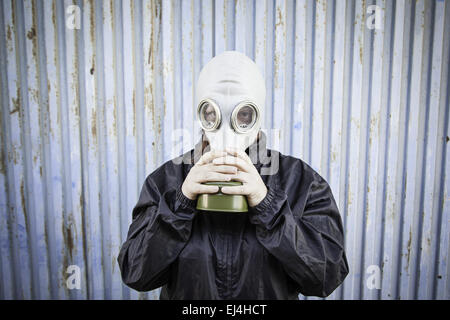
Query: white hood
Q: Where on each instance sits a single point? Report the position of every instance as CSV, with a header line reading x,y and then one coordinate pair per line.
x,y
228,79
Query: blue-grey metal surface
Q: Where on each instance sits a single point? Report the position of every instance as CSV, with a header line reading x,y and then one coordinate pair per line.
x,y
358,89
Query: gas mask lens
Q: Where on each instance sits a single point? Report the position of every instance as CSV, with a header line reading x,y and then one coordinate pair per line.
x,y
209,115
244,117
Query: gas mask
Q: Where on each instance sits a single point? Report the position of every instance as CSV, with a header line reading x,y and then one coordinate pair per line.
x,y
230,98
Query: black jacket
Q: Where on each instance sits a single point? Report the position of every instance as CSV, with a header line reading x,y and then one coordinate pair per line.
x,y
290,243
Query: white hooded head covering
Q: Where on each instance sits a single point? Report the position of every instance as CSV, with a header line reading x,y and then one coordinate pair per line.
x,y
229,79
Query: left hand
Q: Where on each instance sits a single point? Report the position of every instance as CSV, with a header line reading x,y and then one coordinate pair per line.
x,y
252,185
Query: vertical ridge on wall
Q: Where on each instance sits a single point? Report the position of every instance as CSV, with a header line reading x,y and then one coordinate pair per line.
x,y
373,210
393,116
53,146
118,124
7,241
359,90
433,136
442,280
26,186
112,219
415,112
139,101
97,70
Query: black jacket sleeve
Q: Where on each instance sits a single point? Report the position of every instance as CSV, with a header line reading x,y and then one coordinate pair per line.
x,y
161,226
304,232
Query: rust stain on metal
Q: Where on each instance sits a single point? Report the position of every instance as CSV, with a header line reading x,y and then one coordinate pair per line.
x,y
133,33
114,125
279,22
34,40
31,33
16,104
74,84
363,19
69,234
56,63
64,275
94,124
23,202
13,13
349,198
83,229
155,9
9,38
408,247
225,20
333,156
92,21
360,51
111,12
54,13
35,94
8,33
92,70
148,96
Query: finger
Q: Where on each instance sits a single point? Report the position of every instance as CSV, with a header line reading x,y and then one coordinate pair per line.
x,y
235,190
201,188
211,155
233,161
241,176
214,176
222,168
239,153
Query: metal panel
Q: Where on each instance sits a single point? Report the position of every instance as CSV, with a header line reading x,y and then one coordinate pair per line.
x,y
357,89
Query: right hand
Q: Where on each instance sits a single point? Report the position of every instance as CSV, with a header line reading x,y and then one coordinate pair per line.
x,y
205,171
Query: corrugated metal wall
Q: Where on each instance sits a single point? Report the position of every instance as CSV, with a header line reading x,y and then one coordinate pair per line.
x,y
87,113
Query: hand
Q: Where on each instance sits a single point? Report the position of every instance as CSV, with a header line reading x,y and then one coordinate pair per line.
x,y
204,171
252,184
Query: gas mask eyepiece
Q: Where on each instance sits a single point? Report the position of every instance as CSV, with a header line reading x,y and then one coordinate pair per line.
x,y
243,118
209,115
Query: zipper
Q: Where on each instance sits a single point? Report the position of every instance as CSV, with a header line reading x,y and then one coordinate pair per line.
x,y
229,261
223,265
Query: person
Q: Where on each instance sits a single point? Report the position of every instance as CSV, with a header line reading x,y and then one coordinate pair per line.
x,y
291,240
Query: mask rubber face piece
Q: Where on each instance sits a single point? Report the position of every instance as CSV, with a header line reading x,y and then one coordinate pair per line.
x,y
230,96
